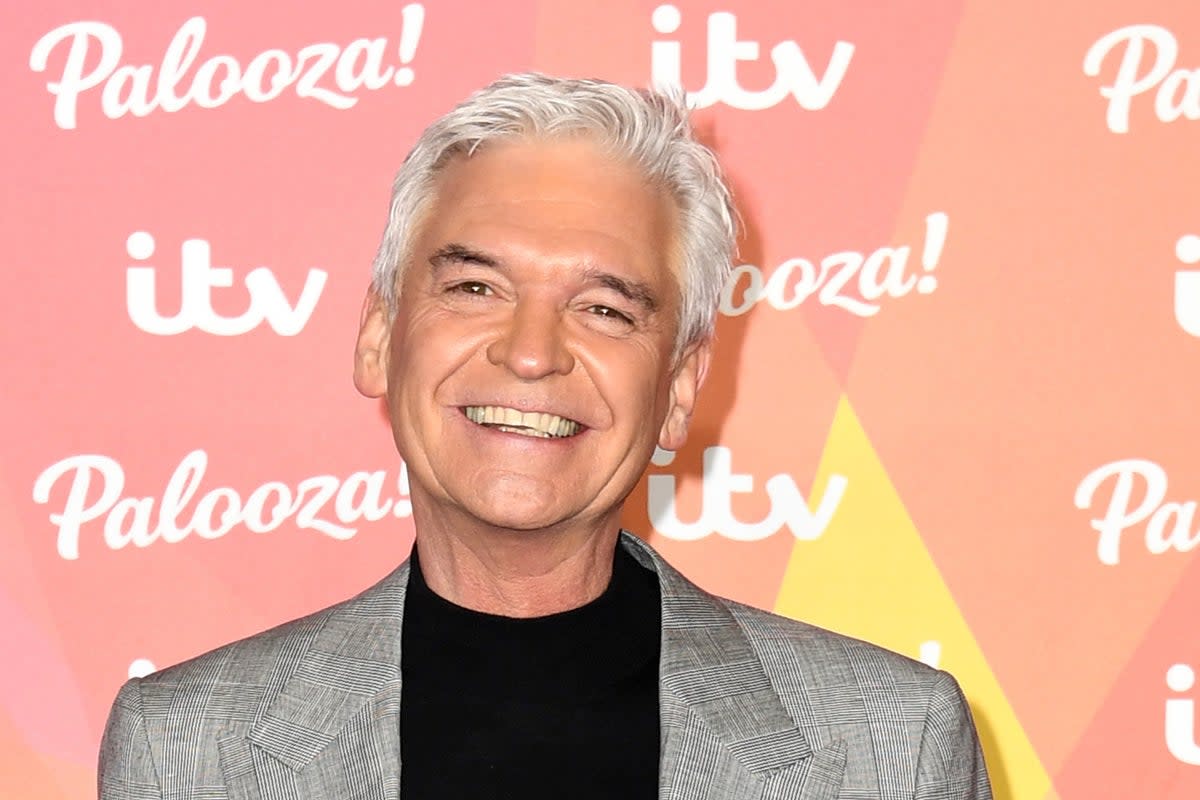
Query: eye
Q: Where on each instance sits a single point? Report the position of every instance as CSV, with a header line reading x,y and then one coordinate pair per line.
x,y
472,287
608,312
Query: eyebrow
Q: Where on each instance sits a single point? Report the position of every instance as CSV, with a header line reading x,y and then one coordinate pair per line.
x,y
632,290
459,254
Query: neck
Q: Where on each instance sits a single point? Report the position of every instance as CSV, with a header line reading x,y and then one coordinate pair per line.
x,y
515,573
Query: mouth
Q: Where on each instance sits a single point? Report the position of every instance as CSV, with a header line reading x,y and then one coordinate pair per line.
x,y
525,423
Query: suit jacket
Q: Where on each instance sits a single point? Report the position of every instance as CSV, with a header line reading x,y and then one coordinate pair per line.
x,y
752,705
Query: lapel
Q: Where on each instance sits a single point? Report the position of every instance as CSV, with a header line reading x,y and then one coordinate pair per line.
x,y
345,687
333,728
725,732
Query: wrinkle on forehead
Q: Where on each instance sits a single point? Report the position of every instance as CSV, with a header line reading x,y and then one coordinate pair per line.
x,y
506,183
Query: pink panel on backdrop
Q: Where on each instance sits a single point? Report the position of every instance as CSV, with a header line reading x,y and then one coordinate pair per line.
x,y
963,221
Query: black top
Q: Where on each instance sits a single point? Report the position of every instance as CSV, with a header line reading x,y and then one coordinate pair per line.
x,y
555,707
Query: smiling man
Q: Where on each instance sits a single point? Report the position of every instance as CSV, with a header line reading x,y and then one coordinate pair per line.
x,y
540,319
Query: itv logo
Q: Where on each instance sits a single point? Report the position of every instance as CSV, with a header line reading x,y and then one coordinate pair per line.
x,y
1187,284
199,277
794,74
789,508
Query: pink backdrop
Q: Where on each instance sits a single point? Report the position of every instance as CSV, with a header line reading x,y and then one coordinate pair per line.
x,y
951,412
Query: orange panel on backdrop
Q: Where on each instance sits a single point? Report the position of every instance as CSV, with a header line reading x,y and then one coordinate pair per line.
x,y
951,401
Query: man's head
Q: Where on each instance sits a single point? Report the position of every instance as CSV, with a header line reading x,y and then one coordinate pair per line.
x,y
532,323
647,129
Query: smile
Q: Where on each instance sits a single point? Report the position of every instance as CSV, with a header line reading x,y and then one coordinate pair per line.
x,y
526,423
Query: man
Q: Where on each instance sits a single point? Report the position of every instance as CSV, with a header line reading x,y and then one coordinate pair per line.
x,y
540,319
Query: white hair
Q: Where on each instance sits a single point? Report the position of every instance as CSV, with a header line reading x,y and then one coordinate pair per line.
x,y
649,129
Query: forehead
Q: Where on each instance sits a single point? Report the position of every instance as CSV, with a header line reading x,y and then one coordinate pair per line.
x,y
563,199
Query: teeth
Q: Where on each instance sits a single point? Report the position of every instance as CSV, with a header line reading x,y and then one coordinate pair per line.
x,y
528,423
523,431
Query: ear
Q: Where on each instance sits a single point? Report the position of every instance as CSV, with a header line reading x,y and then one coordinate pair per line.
x,y
689,376
371,349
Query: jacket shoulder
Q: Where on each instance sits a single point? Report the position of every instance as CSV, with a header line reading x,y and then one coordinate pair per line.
x,y
875,700
800,657
175,722
263,661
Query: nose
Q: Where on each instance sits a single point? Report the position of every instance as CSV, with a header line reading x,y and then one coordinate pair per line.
x,y
532,346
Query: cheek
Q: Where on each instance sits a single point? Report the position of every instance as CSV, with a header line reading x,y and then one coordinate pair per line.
x,y
633,378
424,356
407,369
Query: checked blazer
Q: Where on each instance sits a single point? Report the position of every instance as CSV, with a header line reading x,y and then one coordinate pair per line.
x,y
751,705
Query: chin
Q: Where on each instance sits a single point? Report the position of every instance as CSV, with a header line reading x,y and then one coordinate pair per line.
x,y
517,519
518,503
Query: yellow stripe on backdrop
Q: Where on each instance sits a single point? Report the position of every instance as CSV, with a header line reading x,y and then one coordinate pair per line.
x,y
870,576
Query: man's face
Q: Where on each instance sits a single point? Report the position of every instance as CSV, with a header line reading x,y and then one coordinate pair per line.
x,y
528,368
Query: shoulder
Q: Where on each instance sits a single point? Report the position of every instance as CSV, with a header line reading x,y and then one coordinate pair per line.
x,y
820,648
245,673
873,699
796,656
799,657
176,721
839,683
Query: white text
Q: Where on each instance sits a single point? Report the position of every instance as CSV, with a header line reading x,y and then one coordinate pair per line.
x,y
142,521
199,277
324,71
1180,722
793,74
1169,524
720,483
1176,91
848,280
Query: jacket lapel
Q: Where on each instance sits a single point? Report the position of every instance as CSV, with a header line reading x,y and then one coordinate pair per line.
x,y
725,732
333,729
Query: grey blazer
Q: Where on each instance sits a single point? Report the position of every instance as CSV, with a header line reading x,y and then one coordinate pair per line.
x,y
752,705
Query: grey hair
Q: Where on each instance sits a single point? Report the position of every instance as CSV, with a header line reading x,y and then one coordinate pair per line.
x,y
650,129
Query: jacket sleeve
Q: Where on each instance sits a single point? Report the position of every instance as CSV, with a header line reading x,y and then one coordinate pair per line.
x,y
127,769
950,765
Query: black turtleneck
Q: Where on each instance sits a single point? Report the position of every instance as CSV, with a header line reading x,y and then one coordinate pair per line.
x,y
554,707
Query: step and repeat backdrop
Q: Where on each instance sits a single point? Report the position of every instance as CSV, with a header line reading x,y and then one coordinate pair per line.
x,y
954,403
